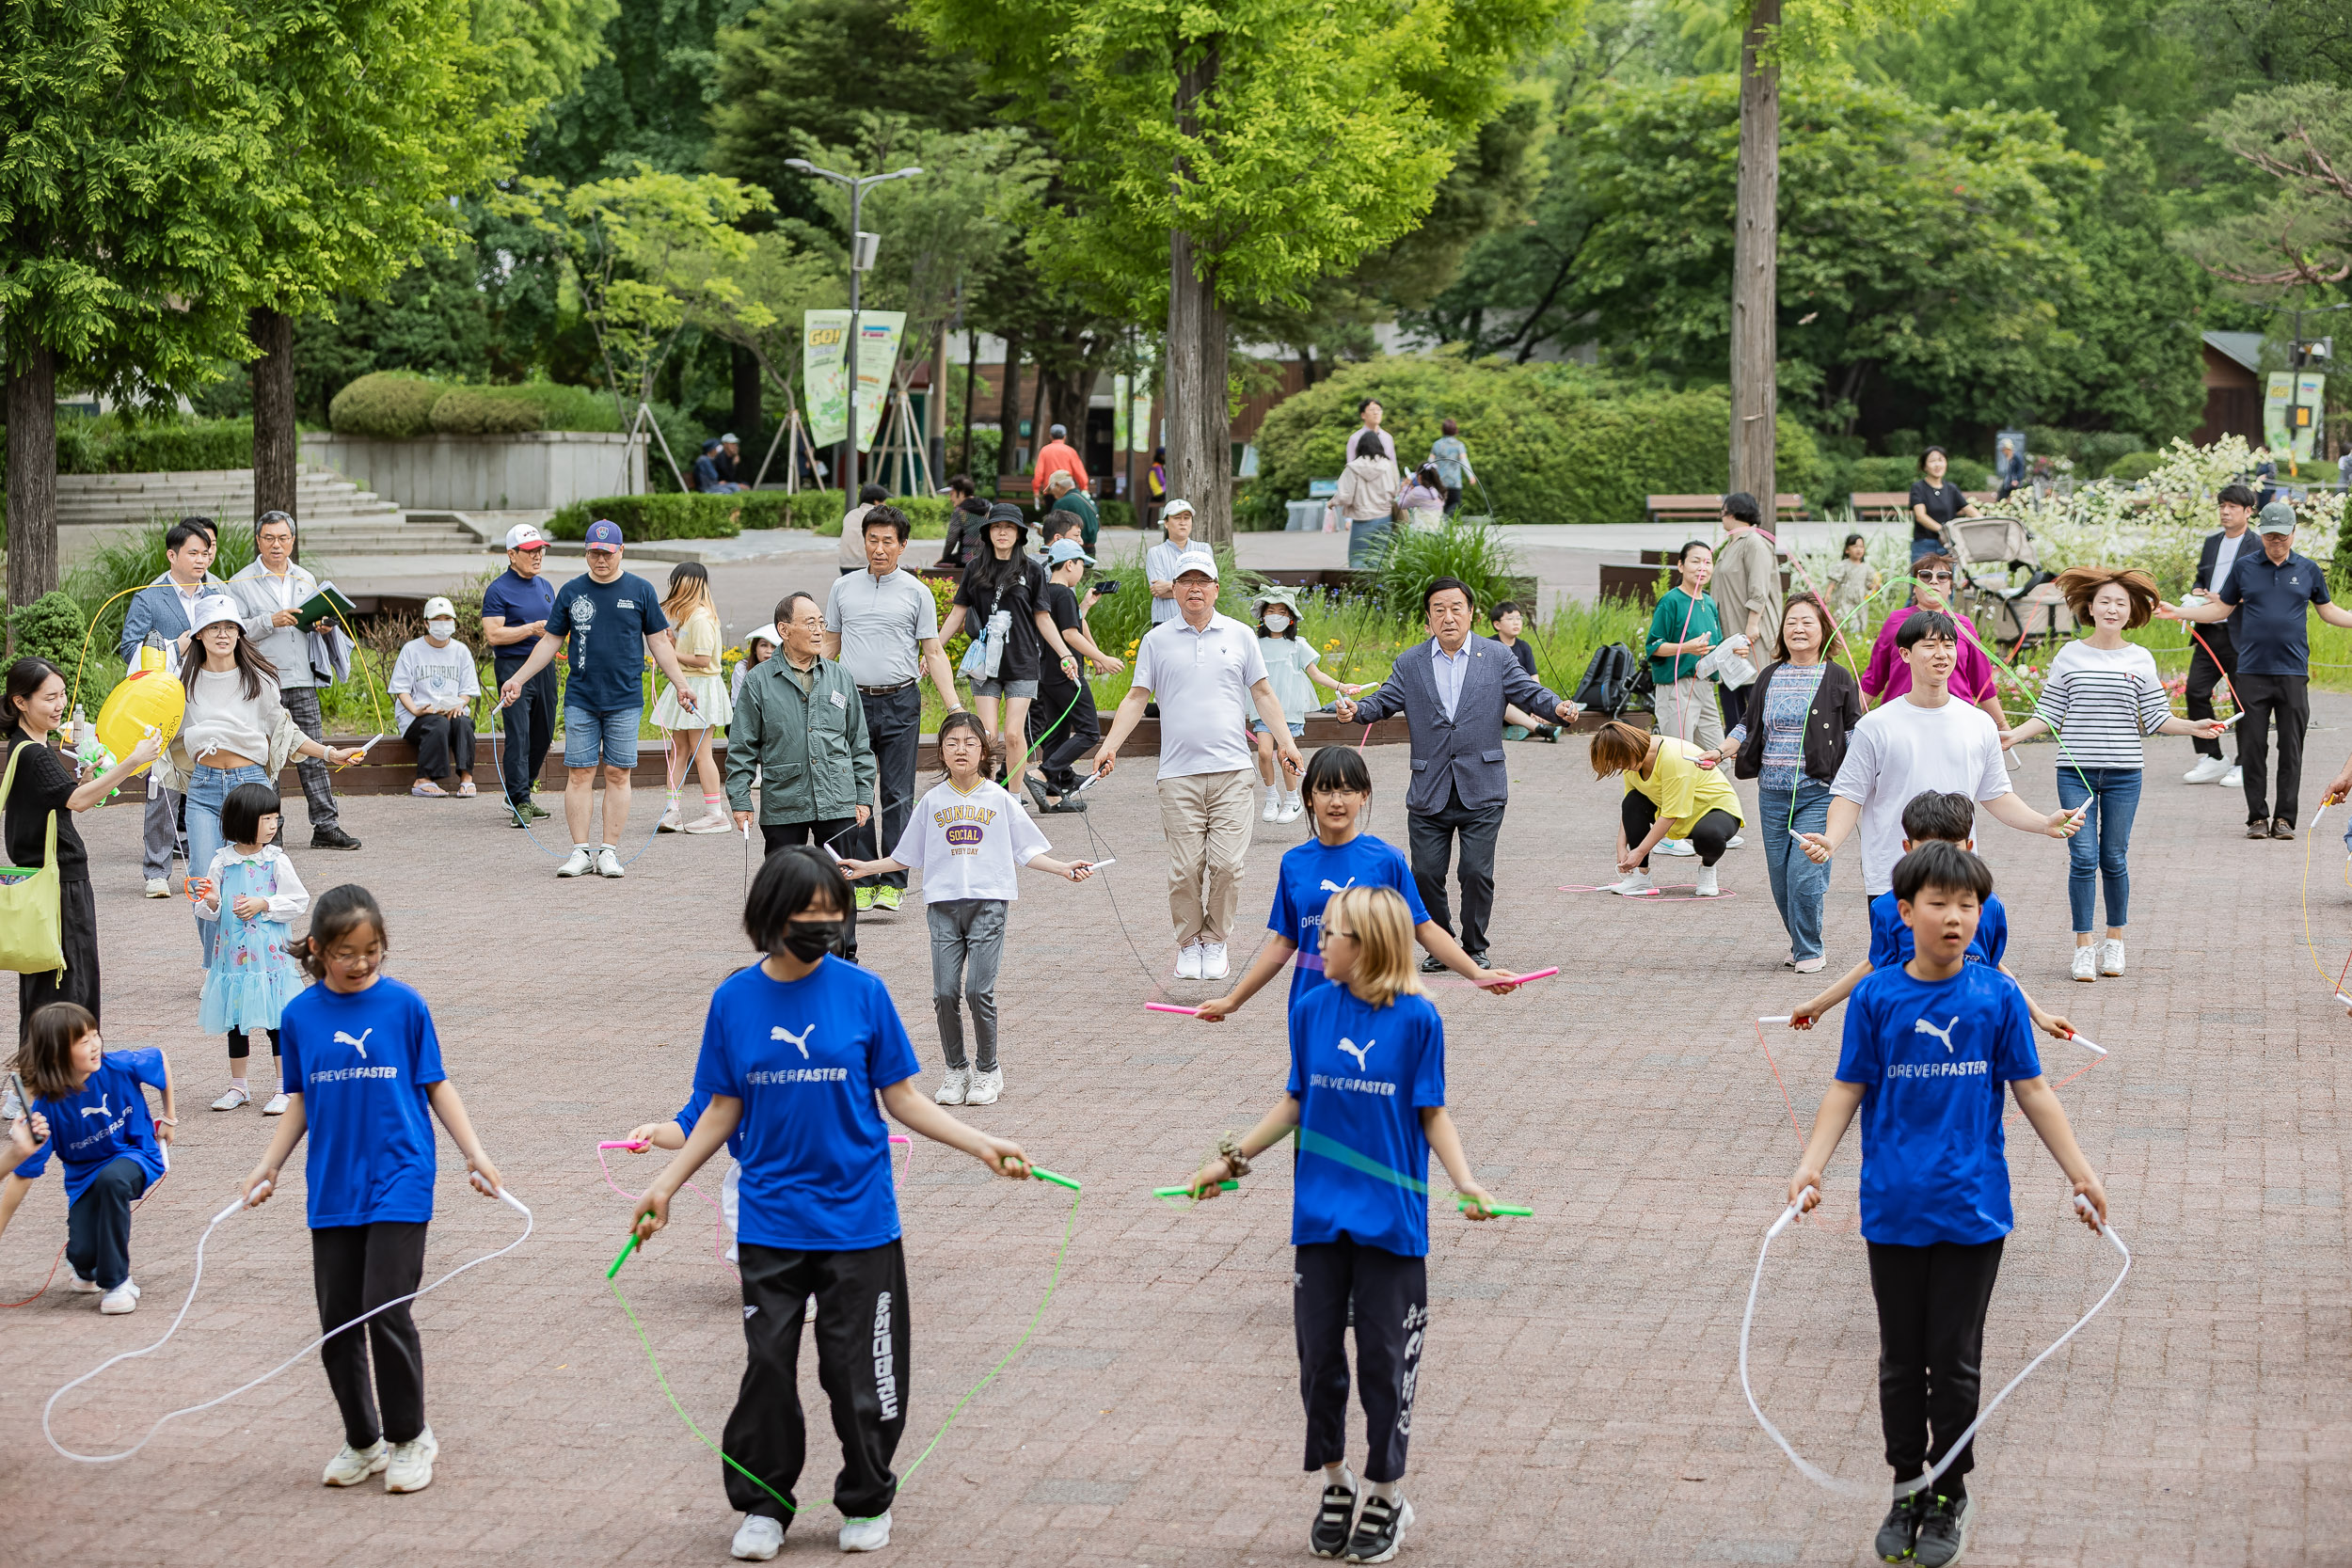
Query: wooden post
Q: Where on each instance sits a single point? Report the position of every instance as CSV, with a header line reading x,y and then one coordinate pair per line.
x,y
1754,267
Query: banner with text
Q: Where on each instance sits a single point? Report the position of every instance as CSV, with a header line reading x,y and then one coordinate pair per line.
x,y
825,371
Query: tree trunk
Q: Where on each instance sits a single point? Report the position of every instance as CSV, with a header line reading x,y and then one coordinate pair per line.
x,y
33,478
1754,267
1200,428
750,419
935,411
1009,414
274,440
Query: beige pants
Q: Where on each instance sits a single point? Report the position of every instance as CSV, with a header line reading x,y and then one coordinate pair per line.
x,y
1206,819
1688,711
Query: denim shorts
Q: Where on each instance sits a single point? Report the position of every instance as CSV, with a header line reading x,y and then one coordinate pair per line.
x,y
995,687
607,738
1298,730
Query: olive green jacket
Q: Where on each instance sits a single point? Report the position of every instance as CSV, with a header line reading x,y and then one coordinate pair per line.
x,y
811,750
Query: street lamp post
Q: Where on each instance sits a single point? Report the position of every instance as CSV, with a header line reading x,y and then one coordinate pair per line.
x,y
862,249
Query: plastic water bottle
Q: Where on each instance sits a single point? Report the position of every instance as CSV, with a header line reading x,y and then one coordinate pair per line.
x,y
82,729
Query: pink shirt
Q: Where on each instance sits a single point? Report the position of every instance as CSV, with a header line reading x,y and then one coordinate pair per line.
x,y
1888,677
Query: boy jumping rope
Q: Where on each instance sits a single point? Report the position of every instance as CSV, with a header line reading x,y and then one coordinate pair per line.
x,y
1929,1047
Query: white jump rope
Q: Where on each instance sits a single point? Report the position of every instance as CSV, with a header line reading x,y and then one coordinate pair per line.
x,y
503,1196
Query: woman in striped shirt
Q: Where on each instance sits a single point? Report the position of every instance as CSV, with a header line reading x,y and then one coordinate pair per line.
x,y
2101,697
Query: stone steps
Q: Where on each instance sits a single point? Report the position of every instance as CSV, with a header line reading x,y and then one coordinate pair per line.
x,y
336,515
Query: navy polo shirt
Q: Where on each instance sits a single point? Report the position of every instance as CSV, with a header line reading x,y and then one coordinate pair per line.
x,y
2270,626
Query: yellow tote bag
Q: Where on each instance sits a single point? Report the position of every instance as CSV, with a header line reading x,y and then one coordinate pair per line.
x,y
31,915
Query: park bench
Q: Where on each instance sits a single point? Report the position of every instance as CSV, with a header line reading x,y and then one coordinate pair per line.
x,y
1893,506
1706,509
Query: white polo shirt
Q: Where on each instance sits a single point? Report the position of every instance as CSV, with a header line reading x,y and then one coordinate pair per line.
x,y
1201,681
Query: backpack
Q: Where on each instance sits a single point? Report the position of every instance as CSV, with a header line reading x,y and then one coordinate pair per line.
x,y
1614,681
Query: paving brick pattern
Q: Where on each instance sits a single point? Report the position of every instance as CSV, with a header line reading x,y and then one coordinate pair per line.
x,y
1579,1399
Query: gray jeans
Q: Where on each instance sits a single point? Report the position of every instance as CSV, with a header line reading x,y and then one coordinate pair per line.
x,y
968,944
302,706
160,832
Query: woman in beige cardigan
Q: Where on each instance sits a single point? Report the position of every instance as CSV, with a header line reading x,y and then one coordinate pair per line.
x,y
1364,504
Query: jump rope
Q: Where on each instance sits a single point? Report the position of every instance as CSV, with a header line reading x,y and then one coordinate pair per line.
x,y
500,1193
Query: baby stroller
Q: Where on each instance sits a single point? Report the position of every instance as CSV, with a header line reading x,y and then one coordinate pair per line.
x,y
1987,553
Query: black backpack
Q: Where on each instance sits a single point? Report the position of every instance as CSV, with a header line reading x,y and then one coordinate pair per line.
x,y
1614,682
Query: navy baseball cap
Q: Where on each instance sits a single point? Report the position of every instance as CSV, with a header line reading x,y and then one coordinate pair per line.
x,y
604,533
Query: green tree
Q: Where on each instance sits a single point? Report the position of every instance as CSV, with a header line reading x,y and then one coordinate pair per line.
x,y
2301,235
648,100
125,225
1234,153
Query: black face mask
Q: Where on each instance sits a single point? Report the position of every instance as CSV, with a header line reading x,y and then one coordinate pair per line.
x,y
810,940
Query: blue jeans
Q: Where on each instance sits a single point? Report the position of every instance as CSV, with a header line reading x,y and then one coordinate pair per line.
x,y
607,738
208,788
1798,885
2101,851
1366,538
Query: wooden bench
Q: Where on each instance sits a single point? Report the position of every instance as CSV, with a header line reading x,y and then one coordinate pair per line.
x,y
1708,509
1893,506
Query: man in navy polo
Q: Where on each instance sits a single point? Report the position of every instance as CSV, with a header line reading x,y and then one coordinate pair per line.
x,y
2266,600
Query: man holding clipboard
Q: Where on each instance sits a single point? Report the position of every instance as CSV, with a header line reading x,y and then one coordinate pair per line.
x,y
273,594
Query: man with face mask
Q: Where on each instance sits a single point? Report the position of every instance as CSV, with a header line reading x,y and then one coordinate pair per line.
x,y
433,685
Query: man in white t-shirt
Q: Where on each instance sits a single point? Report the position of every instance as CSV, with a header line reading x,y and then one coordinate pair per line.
x,y
1206,672
1923,740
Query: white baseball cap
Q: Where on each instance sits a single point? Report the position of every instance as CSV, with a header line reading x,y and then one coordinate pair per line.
x,y
439,609
525,536
1175,506
1196,560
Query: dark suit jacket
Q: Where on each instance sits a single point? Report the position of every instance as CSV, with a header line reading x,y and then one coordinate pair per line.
x,y
1461,756
2248,541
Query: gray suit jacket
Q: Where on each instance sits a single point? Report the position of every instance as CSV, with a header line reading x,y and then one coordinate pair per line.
x,y
158,608
1460,757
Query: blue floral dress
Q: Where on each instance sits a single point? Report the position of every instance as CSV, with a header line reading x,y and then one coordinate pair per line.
x,y
253,973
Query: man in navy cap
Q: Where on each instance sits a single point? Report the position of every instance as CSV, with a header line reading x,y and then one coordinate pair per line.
x,y
612,619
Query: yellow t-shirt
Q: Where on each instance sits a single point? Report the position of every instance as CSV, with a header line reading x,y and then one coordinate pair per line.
x,y
699,637
1683,790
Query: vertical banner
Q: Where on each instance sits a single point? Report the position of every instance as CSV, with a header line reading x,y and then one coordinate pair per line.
x,y
2311,390
1139,417
1119,413
2277,400
824,365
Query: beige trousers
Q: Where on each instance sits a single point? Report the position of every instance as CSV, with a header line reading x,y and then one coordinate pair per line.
x,y
1688,711
1206,819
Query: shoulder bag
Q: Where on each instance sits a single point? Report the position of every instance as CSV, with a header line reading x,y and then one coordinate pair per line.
x,y
31,909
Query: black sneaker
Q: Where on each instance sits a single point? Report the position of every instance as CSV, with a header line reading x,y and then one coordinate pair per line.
x,y
1943,1532
1480,959
1902,1526
1379,1529
332,838
1432,965
1333,1521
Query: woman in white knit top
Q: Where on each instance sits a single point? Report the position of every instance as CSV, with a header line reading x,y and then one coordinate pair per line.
x,y
2101,697
234,730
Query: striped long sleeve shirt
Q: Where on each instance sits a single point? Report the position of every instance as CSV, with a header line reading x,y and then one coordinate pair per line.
x,y
2102,703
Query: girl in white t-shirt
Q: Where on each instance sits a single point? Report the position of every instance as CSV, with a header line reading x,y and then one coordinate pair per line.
x,y
967,837
1290,666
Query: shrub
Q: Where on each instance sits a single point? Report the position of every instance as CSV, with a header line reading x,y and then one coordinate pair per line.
x,y
2133,466
1412,559
1550,443
672,515
475,411
50,627
814,509
387,405
1116,513
927,513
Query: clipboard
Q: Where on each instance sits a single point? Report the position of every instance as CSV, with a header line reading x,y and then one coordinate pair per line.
x,y
327,604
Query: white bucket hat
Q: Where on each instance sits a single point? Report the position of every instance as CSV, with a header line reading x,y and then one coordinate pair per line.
x,y
212,610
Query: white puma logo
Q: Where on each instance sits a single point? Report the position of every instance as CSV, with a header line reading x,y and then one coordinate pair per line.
x,y
1330,886
801,1039
1921,1026
100,1110
360,1044
1358,1052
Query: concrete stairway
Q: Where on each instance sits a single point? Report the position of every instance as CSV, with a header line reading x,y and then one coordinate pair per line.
x,y
336,515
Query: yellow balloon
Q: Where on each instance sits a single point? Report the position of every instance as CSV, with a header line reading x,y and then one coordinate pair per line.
x,y
147,699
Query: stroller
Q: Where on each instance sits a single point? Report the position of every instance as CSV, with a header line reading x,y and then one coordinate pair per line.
x,y
1986,553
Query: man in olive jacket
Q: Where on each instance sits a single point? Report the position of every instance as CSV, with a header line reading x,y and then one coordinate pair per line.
x,y
800,723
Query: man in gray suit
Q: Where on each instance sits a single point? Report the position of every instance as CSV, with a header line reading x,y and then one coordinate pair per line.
x,y
1453,690
162,607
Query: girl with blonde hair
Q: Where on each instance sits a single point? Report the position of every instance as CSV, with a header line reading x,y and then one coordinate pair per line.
x,y
689,609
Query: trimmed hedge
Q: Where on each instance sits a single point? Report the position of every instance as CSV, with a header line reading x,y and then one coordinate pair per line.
x,y
472,411
402,405
105,446
645,518
1550,443
928,513
391,405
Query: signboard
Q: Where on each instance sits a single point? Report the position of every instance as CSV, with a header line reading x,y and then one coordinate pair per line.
x,y
2291,401
824,363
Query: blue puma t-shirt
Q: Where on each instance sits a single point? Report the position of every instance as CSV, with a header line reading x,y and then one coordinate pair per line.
x,y
1310,873
1363,1075
1935,1058
105,1121
1890,939
362,1061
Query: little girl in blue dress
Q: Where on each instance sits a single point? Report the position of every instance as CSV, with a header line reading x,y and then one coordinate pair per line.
x,y
251,889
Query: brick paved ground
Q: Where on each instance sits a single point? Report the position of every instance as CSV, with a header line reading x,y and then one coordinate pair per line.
x,y
1579,1400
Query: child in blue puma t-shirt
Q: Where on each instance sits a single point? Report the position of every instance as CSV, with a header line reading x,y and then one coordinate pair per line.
x,y
1932,1046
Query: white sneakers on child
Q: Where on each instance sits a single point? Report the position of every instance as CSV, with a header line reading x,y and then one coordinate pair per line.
x,y
953,1085
1633,884
1707,888
1293,809
985,1087
580,864
80,1286
354,1466
2086,963
1273,810
234,1097
865,1535
759,1539
669,823
277,1106
411,1465
2110,955
1188,962
122,1298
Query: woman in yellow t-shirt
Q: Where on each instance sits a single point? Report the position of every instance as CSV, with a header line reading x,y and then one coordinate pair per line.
x,y
1666,792
694,623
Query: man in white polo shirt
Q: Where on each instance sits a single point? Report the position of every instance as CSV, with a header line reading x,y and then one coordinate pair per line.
x,y
1206,673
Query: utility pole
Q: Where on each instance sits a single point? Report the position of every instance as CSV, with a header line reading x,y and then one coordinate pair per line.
x,y
863,247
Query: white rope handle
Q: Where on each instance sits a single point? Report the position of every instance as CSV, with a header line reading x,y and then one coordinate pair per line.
x,y
1903,1489
503,1196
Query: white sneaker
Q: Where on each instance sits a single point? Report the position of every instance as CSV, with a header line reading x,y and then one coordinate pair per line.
x,y
2086,963
158,887
2110,955
1809,966
712,822
669,823
233,1099
1273,810
411,1467
1736,843
122,1298
277,1106
1707,888
2234,778
579,865
1293,809
1634,885
608,863
1213,963
865,1535
759,1539
1188,962
2208,770
80,1286
952,1086
1673,846
354,1466
986,1087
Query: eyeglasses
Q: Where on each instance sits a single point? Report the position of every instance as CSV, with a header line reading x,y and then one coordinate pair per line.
x,y
1935,577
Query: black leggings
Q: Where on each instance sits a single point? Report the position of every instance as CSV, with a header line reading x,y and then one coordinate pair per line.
x,y
241,1047
1711,837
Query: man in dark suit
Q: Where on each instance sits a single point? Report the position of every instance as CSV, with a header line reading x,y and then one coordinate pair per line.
x,y
1453,690
2206,670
